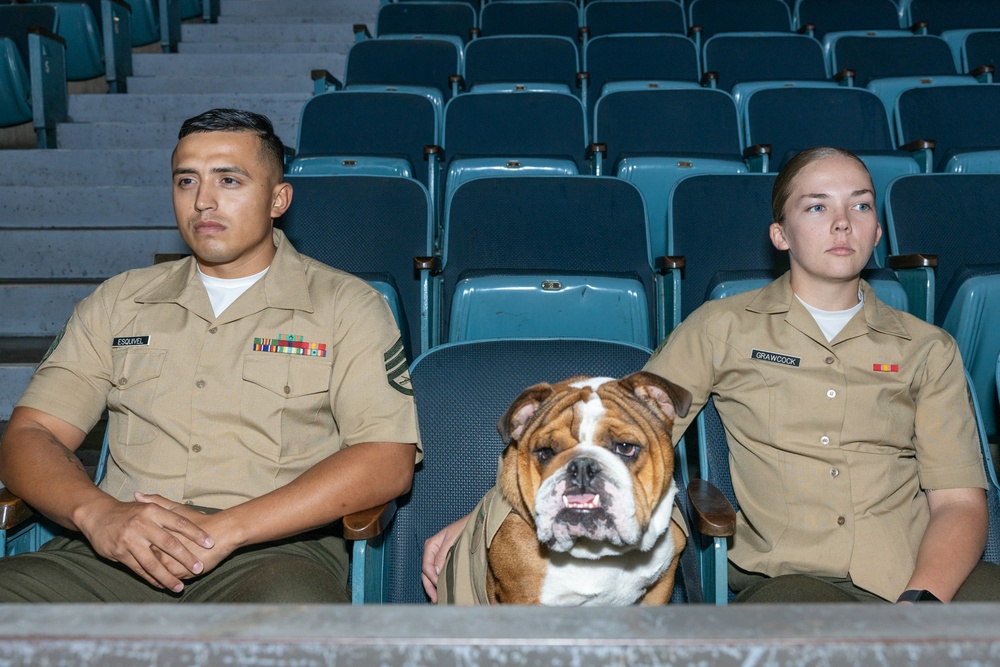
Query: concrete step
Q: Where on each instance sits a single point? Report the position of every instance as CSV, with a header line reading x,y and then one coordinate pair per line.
x,y
234,64
13,381
175,85
138,109
37,309
93,206
270,48
75,254
338,36
82,168
348,10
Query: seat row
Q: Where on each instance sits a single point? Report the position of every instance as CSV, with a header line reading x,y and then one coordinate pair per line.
x,y
571,256
699,19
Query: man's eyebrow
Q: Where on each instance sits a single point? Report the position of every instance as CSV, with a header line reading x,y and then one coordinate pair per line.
x,y
230,169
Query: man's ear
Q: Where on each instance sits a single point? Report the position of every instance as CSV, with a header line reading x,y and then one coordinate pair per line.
x,y
777,232
511,426
659,393
281,199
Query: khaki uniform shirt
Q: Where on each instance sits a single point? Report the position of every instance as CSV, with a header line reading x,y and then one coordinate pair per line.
x,y
831,443
214,411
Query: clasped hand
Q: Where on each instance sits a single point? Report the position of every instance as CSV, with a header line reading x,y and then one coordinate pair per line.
x,y
161,541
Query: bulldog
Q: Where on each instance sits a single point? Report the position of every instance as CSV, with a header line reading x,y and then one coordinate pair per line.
x,y
588,473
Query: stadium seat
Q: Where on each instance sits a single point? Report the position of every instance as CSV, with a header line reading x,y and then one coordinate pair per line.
x,y
709,17
960,120
942,15
564,232
523,60
461,390
820,17
882,56
741,57
398,125
371,226
531,17
637,57
974,48
942,238
427,18
608,17
32,51
656,136
98,40
504,127
430,61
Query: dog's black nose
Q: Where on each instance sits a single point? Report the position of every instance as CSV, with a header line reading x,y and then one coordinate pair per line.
x,y
582,471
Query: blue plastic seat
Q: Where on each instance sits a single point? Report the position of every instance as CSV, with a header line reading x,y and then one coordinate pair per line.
x,y
714,16
656,136
398,125
959,120
974,48
826,16
461,390
550,235
882,56
428,61
609,17
637,57
942,15
32,54
942,235
742,57
530,17
522,59
426,18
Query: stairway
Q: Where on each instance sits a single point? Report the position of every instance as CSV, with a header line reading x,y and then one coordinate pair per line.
x,y
100,203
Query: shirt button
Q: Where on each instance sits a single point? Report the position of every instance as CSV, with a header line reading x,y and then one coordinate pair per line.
x,y
831,393
829,360
200,384
213,330
824,440
123,380
188,502
841,521
834,472
288,389
196,449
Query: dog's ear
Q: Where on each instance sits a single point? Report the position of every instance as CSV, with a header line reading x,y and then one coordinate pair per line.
x,y
659,392
511,425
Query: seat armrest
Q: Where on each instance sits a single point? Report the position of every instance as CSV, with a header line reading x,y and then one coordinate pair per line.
x,y
369,523
845,77
918,145
13,510
361,32
694,31
432,264
583,34
919,28
808,29
914,261
324,81
667,263
983,73
713,513
710,79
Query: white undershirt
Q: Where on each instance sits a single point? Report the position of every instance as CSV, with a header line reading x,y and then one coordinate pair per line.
x,y
831,322
223,291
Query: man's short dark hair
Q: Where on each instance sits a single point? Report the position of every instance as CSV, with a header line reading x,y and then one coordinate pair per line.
x,y
237,120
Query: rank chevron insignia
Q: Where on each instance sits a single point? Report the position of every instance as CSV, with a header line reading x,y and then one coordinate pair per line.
x,y
395,368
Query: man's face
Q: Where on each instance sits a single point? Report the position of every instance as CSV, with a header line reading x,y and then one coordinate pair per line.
x,y
831,226
225,200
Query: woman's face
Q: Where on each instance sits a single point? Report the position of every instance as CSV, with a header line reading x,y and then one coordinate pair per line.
x,y
830,226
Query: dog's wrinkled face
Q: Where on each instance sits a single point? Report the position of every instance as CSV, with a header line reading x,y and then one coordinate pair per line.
x,y
590,458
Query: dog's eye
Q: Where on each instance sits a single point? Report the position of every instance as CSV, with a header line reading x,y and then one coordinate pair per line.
x,y
543,454
626,450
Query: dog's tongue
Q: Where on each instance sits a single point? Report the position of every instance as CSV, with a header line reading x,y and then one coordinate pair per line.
x,y
582,501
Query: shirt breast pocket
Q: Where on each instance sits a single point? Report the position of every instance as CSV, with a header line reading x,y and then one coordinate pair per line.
x,y
135,376
285,403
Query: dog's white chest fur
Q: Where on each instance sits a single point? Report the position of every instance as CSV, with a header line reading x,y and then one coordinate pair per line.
x,y
613,580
